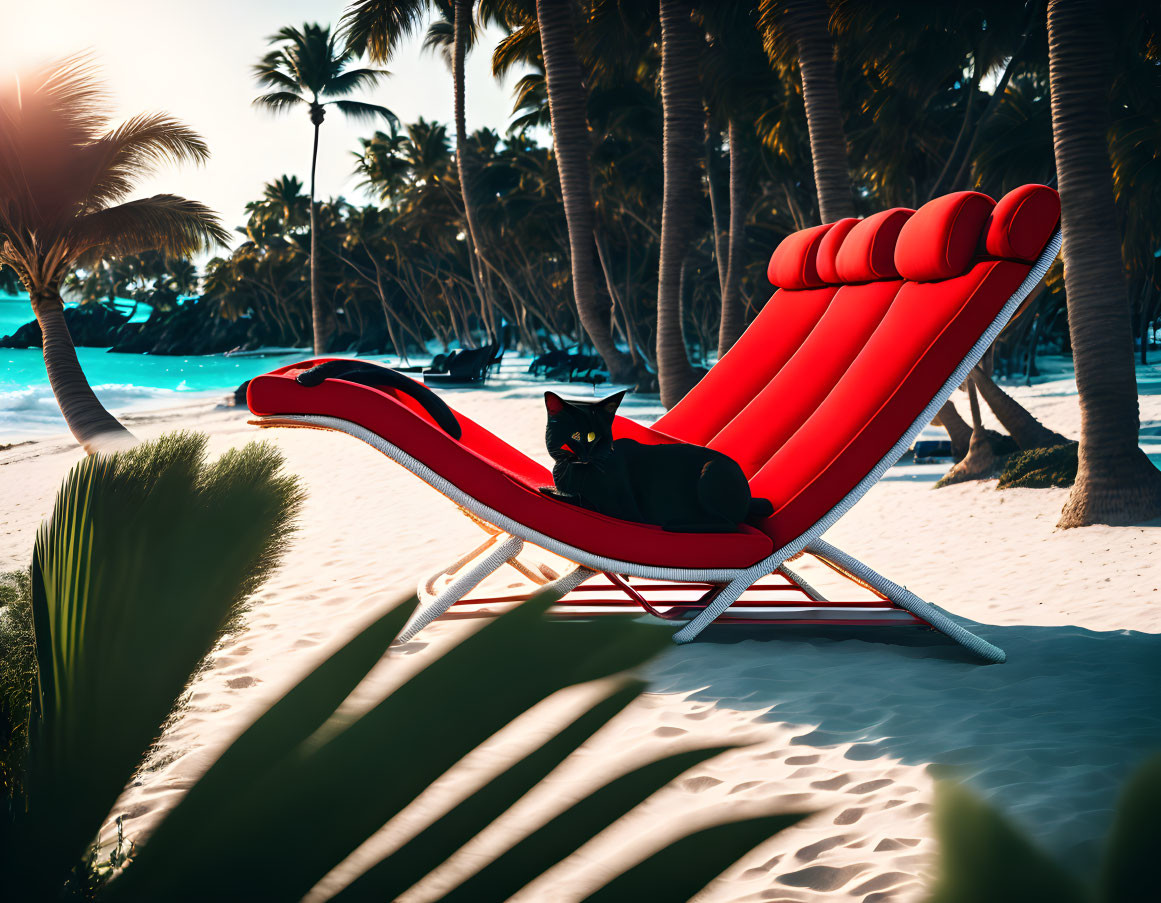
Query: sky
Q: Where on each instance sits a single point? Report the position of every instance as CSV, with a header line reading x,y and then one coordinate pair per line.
x,y
193,58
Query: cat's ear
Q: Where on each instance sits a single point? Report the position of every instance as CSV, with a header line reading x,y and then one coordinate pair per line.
x,y
609,405
554,403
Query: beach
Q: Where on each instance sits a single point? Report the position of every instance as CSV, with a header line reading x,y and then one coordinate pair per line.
x,y
853,728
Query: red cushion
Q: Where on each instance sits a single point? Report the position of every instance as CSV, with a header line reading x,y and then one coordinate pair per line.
x,y
804,382
732,382
869,250
498,475
940,240
828,249
928,330
794,263
1022,222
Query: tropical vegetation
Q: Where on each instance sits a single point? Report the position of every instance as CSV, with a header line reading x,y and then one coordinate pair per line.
x,y
119,610
308,68
65,174
644,228
147,557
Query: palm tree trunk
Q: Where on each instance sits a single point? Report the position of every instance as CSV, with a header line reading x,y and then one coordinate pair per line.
x,y
828,149
91,425
319,322
572,146
462,19
1115,482
733,316
683,125
712,141
980,461
957,429
1026,430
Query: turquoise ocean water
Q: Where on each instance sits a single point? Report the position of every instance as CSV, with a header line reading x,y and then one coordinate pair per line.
x,y
121,381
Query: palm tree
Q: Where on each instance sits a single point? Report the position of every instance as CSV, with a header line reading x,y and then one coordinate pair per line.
x,y
802,24
379,26
1115,482
305,67
740,86
573,146
64,176
683,127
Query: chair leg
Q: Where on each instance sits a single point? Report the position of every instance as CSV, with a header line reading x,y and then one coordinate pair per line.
x,y
810,591
908,601
460,586
426,589
726,597
568,581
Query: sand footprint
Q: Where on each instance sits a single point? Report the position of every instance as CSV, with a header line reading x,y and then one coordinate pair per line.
x,y
869,786
833,783
823,877
812,851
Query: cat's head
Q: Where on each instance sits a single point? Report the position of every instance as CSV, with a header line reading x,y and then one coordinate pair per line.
x,y
580,431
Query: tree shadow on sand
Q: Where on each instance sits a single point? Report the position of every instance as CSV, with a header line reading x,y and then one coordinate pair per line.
x,y
1049,737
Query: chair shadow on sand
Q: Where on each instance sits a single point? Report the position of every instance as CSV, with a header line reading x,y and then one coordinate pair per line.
x,y
1049,737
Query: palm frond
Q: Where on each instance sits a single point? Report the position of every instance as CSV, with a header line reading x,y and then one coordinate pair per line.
x,y
269,75
440,38
378,27
137,146
163,222
356,109
521,47
352,80
278,101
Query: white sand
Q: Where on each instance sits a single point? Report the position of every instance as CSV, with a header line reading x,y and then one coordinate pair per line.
x,y
846,726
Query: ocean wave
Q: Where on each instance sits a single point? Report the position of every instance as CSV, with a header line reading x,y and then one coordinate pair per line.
x,y
32,411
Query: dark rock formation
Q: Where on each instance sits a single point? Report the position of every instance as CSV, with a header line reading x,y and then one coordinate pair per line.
x,y
91,326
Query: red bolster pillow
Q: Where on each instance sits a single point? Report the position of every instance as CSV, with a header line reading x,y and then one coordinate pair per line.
x,y
868,254
794,263
828,250
941,239
1022,222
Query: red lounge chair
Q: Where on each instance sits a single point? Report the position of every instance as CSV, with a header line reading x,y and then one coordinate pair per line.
x,y
874,324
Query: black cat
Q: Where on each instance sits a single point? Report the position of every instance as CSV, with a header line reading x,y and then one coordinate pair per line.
x,y
683,488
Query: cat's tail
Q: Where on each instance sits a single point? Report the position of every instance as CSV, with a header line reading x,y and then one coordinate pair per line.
x,y
759,509
367,373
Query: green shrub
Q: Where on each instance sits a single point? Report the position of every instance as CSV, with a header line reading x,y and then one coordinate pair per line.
x,y
1040,468
147,557
17,679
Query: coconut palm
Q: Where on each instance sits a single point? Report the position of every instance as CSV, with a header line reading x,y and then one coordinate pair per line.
x,y
64,175
379,26
684,121
307,68
573,146
1115,482
740,86
797,29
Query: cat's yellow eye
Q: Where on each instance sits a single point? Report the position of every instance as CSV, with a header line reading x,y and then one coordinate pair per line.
x,y
576,436
591,437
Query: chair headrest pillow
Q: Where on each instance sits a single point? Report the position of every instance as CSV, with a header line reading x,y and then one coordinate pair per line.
x,y
1022,222
868,253
941,239
794,263
828,249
